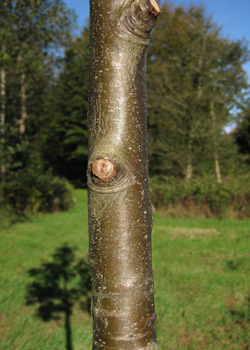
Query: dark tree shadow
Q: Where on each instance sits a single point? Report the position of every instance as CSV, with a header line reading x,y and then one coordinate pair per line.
x,y
241,314
58,285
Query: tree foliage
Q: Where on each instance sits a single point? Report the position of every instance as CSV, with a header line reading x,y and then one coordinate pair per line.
x,y
242,133
195,78
31,33
64,142
196,81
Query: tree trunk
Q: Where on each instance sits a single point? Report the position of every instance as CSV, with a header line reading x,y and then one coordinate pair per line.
x,y
24,115
120,210
2,117
217,164
189,170
216,156
189,157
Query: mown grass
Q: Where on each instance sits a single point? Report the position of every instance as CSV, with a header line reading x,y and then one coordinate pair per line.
x,y
201,271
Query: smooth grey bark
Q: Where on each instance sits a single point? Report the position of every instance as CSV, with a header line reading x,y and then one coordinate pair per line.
x,y
120,210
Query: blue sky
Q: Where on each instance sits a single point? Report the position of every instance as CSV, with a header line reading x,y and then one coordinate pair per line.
x,y
232,15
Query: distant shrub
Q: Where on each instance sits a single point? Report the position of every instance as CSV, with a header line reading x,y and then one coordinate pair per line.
x,y
202,196
8,216
30,192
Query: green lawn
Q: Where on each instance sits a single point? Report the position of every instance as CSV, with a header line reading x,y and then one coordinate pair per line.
x,y
201,271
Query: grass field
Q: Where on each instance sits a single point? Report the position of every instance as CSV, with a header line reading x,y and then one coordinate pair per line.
x,y
201,271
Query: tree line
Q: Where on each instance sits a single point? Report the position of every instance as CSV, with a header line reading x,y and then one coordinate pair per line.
x,y
197,87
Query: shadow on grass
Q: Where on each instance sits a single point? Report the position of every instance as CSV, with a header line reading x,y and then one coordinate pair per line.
x,y
241,314
57,285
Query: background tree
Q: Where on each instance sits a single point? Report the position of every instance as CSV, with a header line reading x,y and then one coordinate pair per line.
x,y
198,77
36,28
242,132
32,33
64,138
4,59
196,81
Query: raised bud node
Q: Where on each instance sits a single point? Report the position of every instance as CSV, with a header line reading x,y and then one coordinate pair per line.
x,y
155,7
104,169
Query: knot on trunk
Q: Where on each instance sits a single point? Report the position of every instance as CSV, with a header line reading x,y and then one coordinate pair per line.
x,y
109,174
139,20
104,169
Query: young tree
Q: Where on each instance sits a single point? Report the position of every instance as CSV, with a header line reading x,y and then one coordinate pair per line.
x,y
120,210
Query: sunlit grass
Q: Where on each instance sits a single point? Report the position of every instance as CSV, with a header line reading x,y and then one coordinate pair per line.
x,y
201,271
202,283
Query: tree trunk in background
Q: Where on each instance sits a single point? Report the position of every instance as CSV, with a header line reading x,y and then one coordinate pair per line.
x,y
120,210
189,151
2,116
24,115
216,156
189,168
217,164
